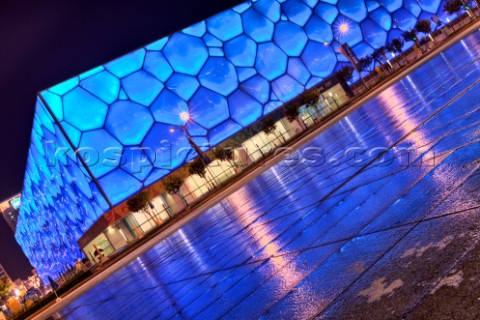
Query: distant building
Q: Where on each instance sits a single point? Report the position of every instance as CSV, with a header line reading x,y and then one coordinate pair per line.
x,y
10,209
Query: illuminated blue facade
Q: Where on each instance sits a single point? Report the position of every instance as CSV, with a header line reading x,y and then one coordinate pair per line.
x,y
227,72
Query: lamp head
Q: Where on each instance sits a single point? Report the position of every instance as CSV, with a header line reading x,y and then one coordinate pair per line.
x,y
185,116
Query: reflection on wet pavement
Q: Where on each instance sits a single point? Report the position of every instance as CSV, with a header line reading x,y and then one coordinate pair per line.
x,y
376,218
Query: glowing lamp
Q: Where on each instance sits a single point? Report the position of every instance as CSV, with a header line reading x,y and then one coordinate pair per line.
x,y
184,116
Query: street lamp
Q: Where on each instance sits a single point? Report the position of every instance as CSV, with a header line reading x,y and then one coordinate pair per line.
x,y
343,29
185,117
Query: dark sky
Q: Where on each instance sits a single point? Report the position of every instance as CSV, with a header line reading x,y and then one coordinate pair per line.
x,y
11,256
45,42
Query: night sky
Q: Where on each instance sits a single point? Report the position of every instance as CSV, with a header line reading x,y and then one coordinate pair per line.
x,y
45,42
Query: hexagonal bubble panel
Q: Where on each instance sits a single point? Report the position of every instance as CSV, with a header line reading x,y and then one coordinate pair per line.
x,y
413,7
354,9
311,3
167,146
83,110
54,103
91,72
241,51
257,26
65,86
157,45
136,162
226,25
297,11
156,64
392,5
103,85
272,105
286,88
100,151
243,108
271,61
382,18
197,30
182,85
245,73
208,108
242,7
186,54
73,133
373,34
141,87
223,132
194,129
269,8
168,107
128,121
361,50
319,59
430,6
404,20
219,75
79,178
156,175
327,12
396,34
258,87
319,30
372,5
216,52
119,185
211,41
290,38
127,64
298,70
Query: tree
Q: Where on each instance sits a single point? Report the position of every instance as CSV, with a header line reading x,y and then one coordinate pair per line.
x,y
454,7
141,203
424,26
396,46
310,97
4,289
366,64
268,125
172,184
376,57
224,153
412,36
292,113
344,74
198,167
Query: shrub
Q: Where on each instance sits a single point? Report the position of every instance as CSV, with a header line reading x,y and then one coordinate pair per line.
x,y
172,184
197,167
268,125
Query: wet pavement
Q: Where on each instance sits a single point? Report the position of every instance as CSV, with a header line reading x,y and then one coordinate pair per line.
x,y
376,218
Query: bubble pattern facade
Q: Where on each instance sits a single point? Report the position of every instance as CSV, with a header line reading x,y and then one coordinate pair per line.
x,y
226,71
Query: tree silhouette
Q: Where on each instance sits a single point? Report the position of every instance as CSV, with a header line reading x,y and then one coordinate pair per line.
x,y
172,184
141,203
423,26
198,167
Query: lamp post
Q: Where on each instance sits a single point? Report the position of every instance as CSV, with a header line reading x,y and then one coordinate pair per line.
x,y
185,116
345,49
